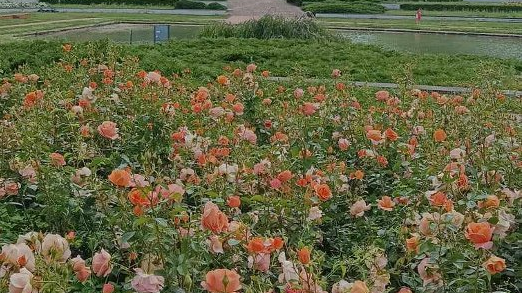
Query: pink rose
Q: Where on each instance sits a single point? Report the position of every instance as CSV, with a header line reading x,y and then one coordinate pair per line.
x,y
358,208
108,130
101,263
145,283
21,282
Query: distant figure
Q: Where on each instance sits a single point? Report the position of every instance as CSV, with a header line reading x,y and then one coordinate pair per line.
x,y
418,16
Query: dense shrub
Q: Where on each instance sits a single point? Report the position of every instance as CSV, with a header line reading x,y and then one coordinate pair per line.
x,y
216,6
295,2
462,7
268,27
338,7
187,4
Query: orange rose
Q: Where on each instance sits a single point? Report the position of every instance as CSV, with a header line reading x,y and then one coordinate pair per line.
x,y
57,159
223,80
256,245
234,201
213,219
374,135
495,265
285,176
323,191
120,177
438,199
386,203
304,255
480,234
359,287
439,135
492,201
412,244
390,134
221,281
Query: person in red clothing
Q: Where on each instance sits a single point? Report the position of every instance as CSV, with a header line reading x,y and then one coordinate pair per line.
x,y
418,16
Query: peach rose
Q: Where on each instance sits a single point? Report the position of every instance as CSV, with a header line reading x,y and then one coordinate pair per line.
x,y
358,208
495,265
57,160
101,263
82,272
213,219
386,203
145,283
20,255
323,191
304,255
359,287
55,247
120,177
260,262
439,135
221,281
480,234
382,95
426,272
108,288
108,130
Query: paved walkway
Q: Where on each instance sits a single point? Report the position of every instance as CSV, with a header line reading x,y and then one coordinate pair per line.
x,y
244,10
412,17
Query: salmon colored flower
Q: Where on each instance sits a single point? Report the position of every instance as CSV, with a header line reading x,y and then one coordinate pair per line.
x,y
495,265
480,234
412,244
101,263
390,135
221,281
147,283
260,262
120,177
234,201
405,290
322,191
285,176
108,288
55,247
336,73
386,203
359,287
213,219
21,282
308,109
382,95
223,80
82,271
358,208
57,159
256,245
304,255
438,199
343,144
374,135
439,135
492,201
108,130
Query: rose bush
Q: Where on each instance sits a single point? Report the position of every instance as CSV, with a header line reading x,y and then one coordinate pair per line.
x,y
114,179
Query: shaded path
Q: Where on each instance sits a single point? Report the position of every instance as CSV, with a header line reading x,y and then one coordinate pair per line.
x,y
243,10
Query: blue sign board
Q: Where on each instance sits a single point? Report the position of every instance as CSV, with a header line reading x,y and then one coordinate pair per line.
x,y
161,33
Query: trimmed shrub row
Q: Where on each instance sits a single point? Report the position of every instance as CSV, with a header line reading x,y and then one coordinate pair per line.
x,y
461,6
295,2
339,7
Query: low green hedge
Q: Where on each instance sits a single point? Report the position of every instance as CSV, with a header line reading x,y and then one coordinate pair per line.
x,y
295,2
216,6
339,7
462,7
185,4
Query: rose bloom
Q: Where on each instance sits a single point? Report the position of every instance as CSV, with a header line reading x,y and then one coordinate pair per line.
x,y
221,281
22,282
386,203
108,288
405,290
390,134
336,73
382,95
57,159
260,262
101,265
55,247
439,135
308,109
323,191
11,188
120,177
358,208
304,255
145,283
108,130
495,265
359,287
480,234
19,254
492,201
438,199
412,244
223,80
82,272
234,201
213,219
374,135
343,144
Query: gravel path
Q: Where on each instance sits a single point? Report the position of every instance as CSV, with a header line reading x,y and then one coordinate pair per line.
x,y
243,10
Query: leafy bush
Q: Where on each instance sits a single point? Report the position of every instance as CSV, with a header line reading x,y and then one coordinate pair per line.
x,y
295,2
216,6
462,7
339,7
187,4
269,27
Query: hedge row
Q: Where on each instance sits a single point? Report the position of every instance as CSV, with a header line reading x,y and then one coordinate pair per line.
x,y
295,2
462,7
187,4
339,7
